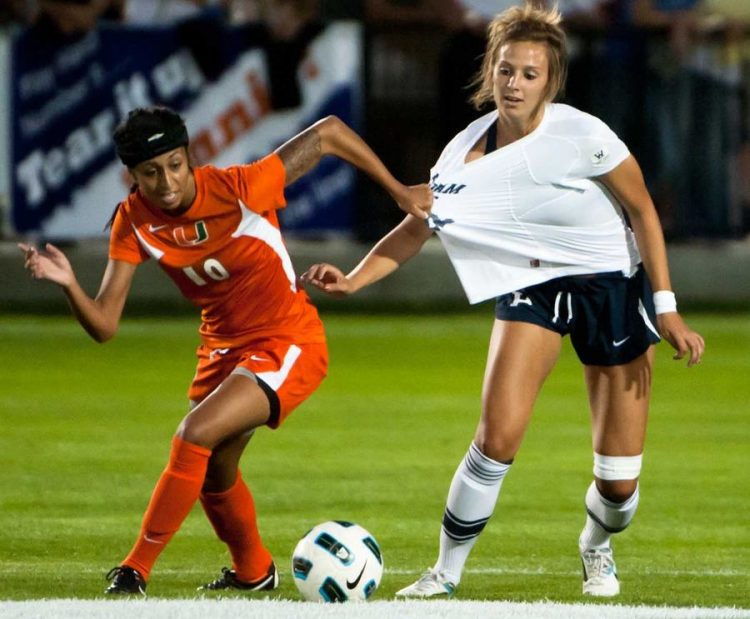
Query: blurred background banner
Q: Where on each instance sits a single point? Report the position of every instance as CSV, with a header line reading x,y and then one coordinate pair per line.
x,y
68,93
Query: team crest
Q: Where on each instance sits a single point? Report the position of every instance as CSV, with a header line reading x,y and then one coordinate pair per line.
x,y
600,156
185,236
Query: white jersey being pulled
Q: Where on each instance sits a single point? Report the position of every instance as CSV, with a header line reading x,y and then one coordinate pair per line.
x,y
531,211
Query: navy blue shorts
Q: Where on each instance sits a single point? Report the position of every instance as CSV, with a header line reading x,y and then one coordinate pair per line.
x,y
610,317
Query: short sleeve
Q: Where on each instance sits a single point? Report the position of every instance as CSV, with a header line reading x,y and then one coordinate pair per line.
x,y
599,151
123,243
260,185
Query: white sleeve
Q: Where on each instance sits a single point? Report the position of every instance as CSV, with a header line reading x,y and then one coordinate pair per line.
x,y
599,150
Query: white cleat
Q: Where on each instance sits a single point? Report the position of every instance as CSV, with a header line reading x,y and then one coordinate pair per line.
x,y
599,573
431,584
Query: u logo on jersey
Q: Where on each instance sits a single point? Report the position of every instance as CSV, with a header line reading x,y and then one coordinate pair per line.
x,y
191,236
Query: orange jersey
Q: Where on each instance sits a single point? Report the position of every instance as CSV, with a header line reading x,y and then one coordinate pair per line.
x,y
226,254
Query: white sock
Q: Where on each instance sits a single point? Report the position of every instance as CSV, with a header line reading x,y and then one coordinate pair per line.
x,y
471,501
605,518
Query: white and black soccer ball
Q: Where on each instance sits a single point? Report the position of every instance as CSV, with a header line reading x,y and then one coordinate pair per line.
x,y
337,561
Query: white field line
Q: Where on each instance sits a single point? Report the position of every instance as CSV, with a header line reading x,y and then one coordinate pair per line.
x,y
537,571
270,609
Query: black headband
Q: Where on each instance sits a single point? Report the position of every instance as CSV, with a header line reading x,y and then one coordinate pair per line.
x,y
144,136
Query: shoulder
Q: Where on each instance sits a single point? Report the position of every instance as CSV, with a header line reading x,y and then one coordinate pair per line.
x,y
213,180
569,122
588,145
126,208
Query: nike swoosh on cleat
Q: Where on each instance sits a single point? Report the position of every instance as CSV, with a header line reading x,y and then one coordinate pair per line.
x,y
355,582
617,343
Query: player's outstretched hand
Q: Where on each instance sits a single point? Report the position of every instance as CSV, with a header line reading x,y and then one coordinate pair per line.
x,y
682,338
415,200
327,278
50,264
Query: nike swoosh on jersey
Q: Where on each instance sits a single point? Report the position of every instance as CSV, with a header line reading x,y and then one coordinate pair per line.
x,y
355,582
153,228
617,343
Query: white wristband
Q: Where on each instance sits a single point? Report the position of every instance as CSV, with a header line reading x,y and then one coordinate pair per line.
x,y
664,302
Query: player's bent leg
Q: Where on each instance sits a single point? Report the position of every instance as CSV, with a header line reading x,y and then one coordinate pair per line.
x,y
619,397
226,499
606,517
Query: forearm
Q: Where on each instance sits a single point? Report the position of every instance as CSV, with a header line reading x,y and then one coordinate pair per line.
x,y
99,323
393,250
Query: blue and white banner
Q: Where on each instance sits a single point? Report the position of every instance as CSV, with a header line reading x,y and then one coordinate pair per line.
x,y
67,99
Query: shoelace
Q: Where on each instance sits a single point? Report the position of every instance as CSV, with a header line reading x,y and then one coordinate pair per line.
x,y
600,563
428,579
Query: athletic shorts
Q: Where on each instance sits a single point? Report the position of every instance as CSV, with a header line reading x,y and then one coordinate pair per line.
x,y
288,373
610,317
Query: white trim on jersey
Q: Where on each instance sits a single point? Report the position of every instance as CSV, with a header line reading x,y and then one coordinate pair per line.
x,y
531,211
155,253
274,379
260,228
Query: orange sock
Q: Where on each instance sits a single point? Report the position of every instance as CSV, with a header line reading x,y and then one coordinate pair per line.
x,y
232,514
174,495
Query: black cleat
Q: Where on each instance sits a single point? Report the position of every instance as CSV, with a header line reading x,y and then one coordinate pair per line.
x,y
125,581
229,580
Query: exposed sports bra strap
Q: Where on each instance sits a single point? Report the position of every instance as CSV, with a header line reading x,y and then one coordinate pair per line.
x,y
491,139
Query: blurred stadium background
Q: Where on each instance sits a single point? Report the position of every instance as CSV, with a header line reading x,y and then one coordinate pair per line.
x,y
670,77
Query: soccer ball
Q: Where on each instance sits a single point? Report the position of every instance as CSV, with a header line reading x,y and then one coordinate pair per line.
x,y
337,561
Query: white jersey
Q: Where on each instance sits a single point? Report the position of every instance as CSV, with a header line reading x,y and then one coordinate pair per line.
x,y
531,211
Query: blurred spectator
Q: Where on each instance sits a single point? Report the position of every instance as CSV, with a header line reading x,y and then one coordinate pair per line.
x,y
243,11
696,99
19,12
153,12
75,17
444,13
286,29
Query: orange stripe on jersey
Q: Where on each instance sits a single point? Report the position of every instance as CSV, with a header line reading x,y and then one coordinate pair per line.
x,y
225,253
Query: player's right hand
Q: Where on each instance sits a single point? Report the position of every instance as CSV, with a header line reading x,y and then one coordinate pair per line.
x,y
50,264
329,279
415,200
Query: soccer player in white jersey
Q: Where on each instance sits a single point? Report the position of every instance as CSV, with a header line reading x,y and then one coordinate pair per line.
x,y
542,207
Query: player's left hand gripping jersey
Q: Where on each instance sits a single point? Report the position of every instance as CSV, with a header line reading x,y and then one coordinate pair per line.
x,y
530,211
226,255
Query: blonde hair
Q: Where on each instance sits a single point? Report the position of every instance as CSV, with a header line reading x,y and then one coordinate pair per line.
x,y
524,23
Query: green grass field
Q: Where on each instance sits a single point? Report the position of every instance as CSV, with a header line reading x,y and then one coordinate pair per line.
x,y
86,432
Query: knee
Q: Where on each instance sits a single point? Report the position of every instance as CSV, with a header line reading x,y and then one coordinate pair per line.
x,y
617,491
196,432
617,476
497,448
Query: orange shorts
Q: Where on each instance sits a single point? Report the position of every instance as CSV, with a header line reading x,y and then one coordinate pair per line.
x,y
287,372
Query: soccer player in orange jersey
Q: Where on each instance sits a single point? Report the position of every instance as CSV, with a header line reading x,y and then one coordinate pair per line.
x,y
216,234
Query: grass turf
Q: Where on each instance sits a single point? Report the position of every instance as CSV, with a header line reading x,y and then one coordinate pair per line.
x,y
86,431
